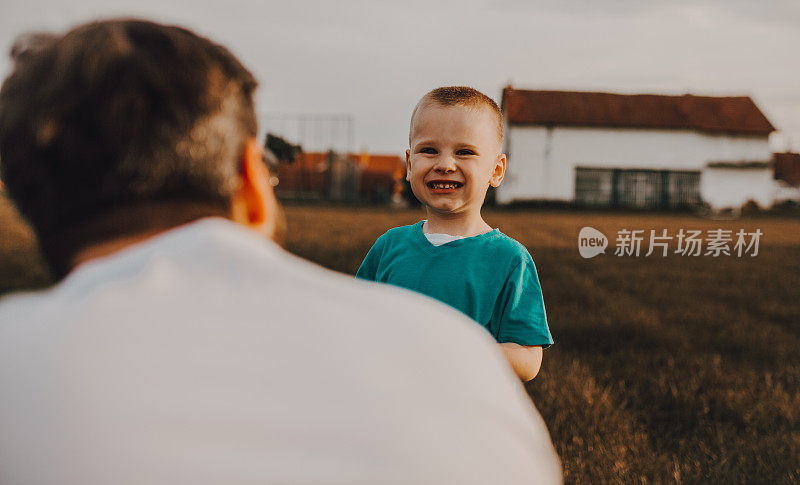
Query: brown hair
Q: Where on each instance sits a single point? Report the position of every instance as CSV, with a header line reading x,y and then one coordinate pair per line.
x,y
459,96
119,114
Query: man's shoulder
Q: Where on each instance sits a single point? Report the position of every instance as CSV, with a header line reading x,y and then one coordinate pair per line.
x,y
21,305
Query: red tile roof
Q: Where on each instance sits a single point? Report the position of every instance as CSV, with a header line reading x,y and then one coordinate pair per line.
x,y
310,172
738,114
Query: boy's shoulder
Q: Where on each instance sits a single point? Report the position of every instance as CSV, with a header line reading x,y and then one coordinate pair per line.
x,y
399,232
403,230
510,247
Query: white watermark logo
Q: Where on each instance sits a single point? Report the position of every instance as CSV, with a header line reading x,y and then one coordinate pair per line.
x,y
591,242
691,242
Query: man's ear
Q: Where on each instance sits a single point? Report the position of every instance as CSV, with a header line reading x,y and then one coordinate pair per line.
x,y
408,165
499,171
254,204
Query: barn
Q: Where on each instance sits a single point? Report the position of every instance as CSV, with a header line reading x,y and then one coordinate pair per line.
x,y
642,151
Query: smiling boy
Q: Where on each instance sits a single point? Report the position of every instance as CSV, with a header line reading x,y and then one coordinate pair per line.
x,y
454,155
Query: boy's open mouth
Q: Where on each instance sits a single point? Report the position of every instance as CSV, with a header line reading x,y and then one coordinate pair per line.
x,y
441,185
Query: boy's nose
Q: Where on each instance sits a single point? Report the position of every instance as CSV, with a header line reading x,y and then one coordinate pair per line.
x,y
445,164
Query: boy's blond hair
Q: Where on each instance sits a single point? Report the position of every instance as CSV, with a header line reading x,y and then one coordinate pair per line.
x,y
458,96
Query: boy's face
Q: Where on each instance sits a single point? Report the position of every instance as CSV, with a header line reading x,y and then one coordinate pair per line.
x,y
454,157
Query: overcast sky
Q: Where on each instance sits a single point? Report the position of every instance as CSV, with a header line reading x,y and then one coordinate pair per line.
x,y
372,60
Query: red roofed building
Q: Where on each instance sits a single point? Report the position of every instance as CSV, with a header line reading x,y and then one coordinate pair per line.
x,y
649,151
787,168
329,175
305,177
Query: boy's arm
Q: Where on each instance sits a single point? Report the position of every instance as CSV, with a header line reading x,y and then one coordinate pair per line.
x,y
526,360
523,332
369,267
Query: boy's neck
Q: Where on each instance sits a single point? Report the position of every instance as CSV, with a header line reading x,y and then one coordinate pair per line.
x,y
455,224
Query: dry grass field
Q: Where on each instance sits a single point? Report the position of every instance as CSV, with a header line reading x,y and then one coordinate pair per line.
x,y
671,369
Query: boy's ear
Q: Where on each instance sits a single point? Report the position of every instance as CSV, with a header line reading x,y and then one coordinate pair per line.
x,y
408,165
499,171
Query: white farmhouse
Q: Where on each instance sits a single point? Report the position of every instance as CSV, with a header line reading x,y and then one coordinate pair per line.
x,y
649,151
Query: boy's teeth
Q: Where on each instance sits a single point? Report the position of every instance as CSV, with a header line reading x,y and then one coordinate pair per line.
x,y
443,185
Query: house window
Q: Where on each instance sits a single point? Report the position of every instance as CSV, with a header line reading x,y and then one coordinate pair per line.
x,y
593,186
684,189
637,188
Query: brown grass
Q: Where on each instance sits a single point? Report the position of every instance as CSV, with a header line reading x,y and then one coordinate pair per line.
x,y
665,369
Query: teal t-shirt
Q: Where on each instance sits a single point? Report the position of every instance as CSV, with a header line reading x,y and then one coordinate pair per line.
x,y
490,277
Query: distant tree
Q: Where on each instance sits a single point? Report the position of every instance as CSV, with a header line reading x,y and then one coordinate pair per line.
x,y
282,150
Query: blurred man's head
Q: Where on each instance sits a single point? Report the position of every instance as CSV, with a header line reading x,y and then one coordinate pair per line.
x,y
123,127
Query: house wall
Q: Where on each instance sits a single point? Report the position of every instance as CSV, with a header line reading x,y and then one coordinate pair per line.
x,y
542,161
732,187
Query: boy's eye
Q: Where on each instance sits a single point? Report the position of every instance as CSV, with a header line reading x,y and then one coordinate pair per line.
x,y
465,151
428,150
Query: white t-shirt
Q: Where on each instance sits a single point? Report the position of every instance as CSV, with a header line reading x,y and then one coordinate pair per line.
x,y
437,239
208,355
